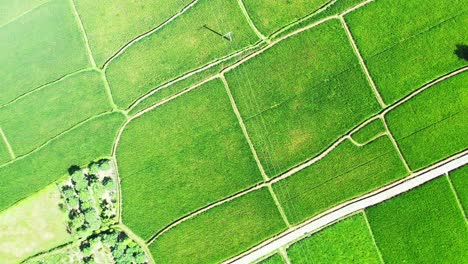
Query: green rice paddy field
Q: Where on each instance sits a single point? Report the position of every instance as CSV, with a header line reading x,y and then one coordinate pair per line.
x,y
233,121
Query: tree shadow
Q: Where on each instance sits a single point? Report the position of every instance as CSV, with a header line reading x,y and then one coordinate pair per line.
x,y
462,51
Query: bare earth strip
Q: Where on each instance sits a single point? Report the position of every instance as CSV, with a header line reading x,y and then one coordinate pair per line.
x,y
333,215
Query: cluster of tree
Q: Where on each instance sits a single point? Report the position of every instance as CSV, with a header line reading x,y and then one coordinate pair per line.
x,y
123,249
89,198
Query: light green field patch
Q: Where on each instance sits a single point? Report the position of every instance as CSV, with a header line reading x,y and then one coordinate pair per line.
x,y
40,47
33,225
38,117
411,64
345,173
369,132
459,180
302,94
275,259
90,141
222,232
12,10
432,125
271,15
348,241
4,153
182,156
179,47
385,23
111,24
424,225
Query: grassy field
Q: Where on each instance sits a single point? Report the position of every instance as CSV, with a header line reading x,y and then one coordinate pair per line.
x,y
402,60
4,154
459,180
369,132
275,259
34,119
422,226
179,47
285,12
32,226
300,95
39,169
433,120
27,41
111,24
335,8
348,241
10,10
222,232
198,155
347,172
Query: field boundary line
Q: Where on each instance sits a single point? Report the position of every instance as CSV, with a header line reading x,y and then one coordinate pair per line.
x,y
354,8
20,157
371,233
109,92
284,254
42,86
83,32
191,73
24,13
251,23
345,209
363,64
301,166
147,33
395,144
243,127
7,144
460,206
278,206
368,141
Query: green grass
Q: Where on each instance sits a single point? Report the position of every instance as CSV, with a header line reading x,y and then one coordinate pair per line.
x,y
35,50
345,173
408,62
90,141
34,225
369,131
275,259
11,10
422,226
4,154
347,241
34,119
182,156
336,8
222,232
299,96
111,24
413,63
459,180
180,47
436,119
385,23
271,15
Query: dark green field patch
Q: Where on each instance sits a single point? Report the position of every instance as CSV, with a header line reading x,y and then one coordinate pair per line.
x,y
221,233
435,119
299,96
42,115
369,131
275,259
348,241
32,173
424,225
38,48
182,156
179,47
110,24
271,15
459,180
345,173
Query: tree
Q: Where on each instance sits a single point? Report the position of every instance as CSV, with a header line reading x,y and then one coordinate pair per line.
x,y
462,51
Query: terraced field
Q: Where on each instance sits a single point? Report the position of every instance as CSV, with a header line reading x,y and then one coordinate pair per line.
x,y
204,131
